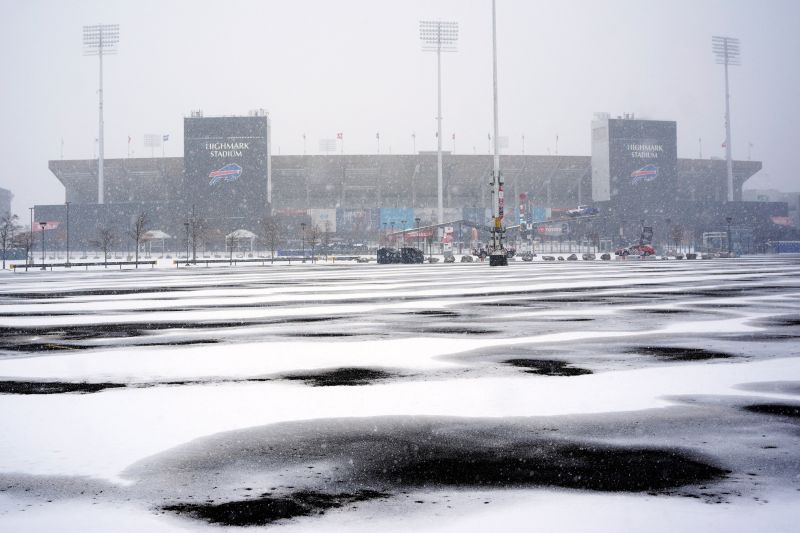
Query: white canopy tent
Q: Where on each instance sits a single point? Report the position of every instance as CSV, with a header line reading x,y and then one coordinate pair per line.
x,y
155,235
238,236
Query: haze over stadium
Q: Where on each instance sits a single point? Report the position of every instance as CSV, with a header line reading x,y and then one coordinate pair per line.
x,y
356,67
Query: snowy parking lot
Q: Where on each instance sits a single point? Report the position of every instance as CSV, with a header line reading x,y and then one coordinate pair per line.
x,y
658,396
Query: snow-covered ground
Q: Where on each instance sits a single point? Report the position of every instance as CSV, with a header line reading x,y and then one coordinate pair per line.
x,y
602,396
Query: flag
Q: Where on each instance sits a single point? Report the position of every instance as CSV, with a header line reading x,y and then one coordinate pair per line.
x,y
454,136
129,139
378,135
340,136
165,138
489,136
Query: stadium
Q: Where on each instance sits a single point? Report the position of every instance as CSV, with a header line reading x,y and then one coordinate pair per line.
x,y
229,179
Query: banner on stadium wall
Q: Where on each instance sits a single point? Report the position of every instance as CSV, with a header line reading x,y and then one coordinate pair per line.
x,y
394,216
477,215
430,215
325,219
358,221
539,214
289,212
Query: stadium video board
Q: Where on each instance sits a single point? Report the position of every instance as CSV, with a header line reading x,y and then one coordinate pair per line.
x,y
635,162
226,165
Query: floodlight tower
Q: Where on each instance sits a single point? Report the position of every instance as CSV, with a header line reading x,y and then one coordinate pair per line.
x,y
438,36
498,256
727,50
99,40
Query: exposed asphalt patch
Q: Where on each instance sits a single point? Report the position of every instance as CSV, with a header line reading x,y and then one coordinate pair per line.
x,y
676,353
435,313
374,457
547,367
784,321
664,311
780,387
321,334
39,347
778,409
269,509
340,376
456,331
53,387
114,330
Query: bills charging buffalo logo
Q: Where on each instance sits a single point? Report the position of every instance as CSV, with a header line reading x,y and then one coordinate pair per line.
x,y
229,172
644,174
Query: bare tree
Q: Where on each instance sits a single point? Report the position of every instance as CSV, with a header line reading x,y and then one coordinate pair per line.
x,y
24,241
326,238
8,230
106,238
230,242
198,233
137,231
312,237
271,233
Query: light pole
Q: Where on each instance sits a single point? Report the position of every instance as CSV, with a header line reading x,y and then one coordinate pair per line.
x,y
438,36
98,40
498,256
186,225
43,225
729,220
727,50
303,227
417,221
30,239
67,204
404,231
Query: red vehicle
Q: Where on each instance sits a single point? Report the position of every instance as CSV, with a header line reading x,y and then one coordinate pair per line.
x,y
637,249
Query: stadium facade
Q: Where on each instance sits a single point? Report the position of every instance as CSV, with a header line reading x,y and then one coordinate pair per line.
x,y
229,179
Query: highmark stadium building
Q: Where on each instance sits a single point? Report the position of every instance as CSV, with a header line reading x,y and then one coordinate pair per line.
x,y
229,180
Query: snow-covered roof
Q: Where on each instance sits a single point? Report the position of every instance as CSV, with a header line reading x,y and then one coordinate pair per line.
x,y
241,234
155,234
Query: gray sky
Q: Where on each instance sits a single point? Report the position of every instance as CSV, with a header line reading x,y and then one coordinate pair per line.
x,y
355,66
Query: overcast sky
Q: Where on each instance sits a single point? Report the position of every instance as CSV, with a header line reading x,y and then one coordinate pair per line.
x,y
356,66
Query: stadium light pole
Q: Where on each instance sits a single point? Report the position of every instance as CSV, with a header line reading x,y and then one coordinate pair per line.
x,y
727,50
438,36
98,40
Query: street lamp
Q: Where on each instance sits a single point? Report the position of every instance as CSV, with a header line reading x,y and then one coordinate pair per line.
x,y
727,50
303,227
98,40
43,225
417,221
67,204
186,225
438,36
729,220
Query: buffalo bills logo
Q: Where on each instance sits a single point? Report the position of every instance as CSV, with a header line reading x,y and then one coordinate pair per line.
x,y
644,174
229,172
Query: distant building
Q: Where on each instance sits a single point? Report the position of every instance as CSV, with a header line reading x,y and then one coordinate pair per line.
x,y
230,179
5,201
792,200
